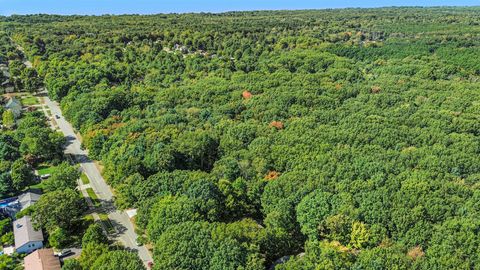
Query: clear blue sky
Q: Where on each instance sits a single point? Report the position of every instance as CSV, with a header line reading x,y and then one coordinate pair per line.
x,y
96,7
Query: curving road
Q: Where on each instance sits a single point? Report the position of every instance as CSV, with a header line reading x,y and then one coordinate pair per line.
x,y
124,229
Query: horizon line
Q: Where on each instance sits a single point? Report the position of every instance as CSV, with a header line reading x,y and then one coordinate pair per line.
x,y
239,11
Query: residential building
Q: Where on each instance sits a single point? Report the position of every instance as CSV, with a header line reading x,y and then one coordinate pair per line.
x,y
15,106
42,259
28,199
12,206
27,239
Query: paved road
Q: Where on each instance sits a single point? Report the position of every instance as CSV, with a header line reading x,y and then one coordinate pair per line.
x,y
124,228
125,232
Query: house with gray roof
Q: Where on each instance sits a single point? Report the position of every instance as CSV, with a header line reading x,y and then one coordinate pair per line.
x,y
12,206
15,106
28,199
27,239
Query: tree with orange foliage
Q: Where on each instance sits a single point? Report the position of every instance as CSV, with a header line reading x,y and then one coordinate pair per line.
x,y
276,124
247,94
271,175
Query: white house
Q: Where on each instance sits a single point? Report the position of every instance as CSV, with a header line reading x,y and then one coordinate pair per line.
x,y
27,239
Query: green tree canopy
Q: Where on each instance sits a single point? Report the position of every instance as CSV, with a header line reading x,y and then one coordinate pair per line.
x,y
22,174
94,234
118,260
63,176
60,208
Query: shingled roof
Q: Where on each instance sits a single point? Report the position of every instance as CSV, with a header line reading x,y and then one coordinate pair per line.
x,y
42,259
24,232
28,199
15,106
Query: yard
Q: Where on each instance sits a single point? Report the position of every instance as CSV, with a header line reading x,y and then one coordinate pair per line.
x,y
29,101
39,186
45,169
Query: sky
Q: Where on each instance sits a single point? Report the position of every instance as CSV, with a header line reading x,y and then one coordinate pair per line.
x,y
99,7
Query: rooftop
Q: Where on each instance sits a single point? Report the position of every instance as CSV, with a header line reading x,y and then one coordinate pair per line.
x,y
15,106
42,259
13,102
27,199
24,233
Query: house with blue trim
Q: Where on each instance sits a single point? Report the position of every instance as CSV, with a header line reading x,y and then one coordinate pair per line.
x,y
27,239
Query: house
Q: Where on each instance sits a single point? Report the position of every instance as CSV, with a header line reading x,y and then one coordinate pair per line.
x,y
12,206
42,259
27,239
15,106
28,199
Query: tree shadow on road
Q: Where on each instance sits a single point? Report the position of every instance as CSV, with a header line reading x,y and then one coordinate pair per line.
x,y
81,158
69,140
118,229
108,206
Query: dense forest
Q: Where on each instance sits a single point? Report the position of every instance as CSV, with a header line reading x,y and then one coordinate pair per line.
x,y
329,139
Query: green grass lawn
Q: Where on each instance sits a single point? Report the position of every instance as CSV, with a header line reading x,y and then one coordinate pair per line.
x,y
39,186
45,169
106,222
85,179
93,196
88,218
30,100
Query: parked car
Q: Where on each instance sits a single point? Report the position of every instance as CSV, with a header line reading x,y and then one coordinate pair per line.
x,y
65,253
57,116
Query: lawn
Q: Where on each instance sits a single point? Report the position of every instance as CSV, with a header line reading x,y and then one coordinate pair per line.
x,y
89,218
85,179
93,196
30,100
39,186
45,169
106,222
